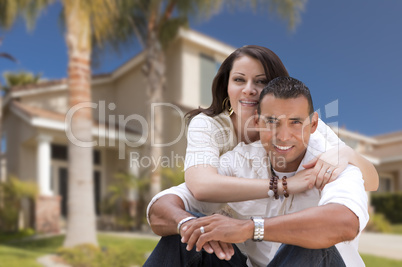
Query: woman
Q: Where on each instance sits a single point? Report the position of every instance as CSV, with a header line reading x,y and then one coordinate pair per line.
x,y
219,128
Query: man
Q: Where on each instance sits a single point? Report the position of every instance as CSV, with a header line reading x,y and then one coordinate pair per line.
x,y
286,120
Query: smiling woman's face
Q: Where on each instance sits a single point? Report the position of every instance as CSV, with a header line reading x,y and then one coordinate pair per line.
x,y
246,81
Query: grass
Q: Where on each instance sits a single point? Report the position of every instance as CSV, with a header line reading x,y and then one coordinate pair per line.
x,y
25,253
374,261
396,229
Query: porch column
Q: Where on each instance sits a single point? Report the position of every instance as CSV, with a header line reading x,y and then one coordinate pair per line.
x,y
133,169
43,165
133,195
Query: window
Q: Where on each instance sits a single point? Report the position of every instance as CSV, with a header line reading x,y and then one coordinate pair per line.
x,y
59,152
208,69
385,183
4,143
97,157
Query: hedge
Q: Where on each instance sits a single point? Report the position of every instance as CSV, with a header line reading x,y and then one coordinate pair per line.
x,y
389,204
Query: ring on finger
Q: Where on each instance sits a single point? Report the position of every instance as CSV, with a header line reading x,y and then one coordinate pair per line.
x,y
202,229
328,171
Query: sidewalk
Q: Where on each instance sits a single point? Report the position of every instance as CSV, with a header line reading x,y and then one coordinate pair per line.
x,y
381,245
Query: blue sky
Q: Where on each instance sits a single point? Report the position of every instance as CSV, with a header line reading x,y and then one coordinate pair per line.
x,y
345,51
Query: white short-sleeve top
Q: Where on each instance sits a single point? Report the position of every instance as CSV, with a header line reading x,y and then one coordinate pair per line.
x,y
210,137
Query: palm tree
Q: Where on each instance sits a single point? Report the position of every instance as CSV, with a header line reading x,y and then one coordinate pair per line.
x,y
9,57
19,78
84,20
155,23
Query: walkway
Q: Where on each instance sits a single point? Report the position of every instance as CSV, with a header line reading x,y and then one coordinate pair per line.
x,y
382,245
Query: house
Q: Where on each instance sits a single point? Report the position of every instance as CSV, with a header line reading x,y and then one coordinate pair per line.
x,y
384,151
35,118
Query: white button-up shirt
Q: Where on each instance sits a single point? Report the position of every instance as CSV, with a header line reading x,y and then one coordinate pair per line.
x,y
251,161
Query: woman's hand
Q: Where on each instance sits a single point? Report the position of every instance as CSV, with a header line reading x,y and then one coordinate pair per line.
x,y
327,167
300,182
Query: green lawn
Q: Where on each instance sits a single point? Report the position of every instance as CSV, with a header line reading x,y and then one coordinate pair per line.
x,y
372,261
396,228
26,253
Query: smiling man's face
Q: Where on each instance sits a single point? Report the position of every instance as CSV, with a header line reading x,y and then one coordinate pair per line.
x,y
285,128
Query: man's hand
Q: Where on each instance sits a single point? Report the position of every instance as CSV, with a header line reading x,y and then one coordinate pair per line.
x,y
217,228
222,250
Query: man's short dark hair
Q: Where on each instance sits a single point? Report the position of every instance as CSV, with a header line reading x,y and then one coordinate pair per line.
x,y
286,88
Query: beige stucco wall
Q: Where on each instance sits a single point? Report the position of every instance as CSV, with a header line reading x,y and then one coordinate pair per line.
x,y
18,133
191,74
11,126
27,163
54,101
191,65
102,96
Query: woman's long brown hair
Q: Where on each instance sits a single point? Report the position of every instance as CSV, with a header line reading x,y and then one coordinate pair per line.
x,y
271,63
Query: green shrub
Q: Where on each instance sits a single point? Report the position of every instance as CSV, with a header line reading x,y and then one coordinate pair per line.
x,y
13,236
389,204
117,205
378,223
12,192
172,176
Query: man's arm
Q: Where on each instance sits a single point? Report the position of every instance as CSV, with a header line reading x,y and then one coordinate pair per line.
x,y
341,215
166,213
318,227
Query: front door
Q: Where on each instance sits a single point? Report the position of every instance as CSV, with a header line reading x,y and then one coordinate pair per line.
x,y
63,190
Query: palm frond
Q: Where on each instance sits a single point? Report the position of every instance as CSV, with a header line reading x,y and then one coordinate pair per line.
x,y
8,56
28,9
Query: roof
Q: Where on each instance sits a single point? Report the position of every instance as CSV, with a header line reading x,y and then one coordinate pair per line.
x,y
40,84
32,112
49,85
61,84
386,151
385,154
39,117
389,136
383,139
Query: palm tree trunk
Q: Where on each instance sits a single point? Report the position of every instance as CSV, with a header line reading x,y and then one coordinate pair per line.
x,y
154,70
81,225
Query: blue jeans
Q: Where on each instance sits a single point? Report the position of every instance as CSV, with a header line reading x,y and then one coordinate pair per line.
x,y
171,252
289,256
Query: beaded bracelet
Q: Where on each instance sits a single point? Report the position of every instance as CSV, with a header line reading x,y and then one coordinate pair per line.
x,y
273,187
285,187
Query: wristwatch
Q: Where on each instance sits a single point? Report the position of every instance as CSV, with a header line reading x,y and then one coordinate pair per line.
x,y
258,229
